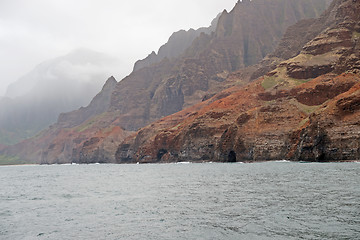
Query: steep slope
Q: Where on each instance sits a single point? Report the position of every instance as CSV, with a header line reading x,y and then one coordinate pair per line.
x,y
98,105
305,109
332,132
242,37
292,42
75,130
58,85
176,45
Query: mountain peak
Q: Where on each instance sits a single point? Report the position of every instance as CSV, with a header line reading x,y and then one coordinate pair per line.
x,y
159,88
111,78
110,83
307,109
178,42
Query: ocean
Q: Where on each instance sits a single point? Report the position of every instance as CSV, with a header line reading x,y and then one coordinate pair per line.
x,y
269,200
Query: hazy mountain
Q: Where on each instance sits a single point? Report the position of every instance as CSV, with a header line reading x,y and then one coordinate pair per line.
x,y
176,45
58,85
306,109
242,37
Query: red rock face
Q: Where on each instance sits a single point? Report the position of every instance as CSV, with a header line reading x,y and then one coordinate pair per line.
x,y
251,128
95,140
236,123
322,89
333,132
279,116
242,38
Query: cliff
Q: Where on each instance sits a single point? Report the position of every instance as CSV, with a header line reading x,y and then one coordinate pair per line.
x,y
307,108
213,62
242,38
176,45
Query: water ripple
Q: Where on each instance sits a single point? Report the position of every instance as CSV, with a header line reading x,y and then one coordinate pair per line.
x,y
277,200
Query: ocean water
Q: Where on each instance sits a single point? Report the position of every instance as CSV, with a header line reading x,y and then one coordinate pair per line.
x,y
274,200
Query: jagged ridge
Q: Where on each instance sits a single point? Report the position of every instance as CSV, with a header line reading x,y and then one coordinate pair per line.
x,y
305,109
172,85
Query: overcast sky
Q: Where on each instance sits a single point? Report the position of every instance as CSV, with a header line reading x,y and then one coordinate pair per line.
x,y
32,31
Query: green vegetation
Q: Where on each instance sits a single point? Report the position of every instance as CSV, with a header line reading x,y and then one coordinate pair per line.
x,y
312,60
5,139
301,58
86,125
282,80
305,108
10,137
299,81
93,121
11,160
355,36
303,122
269,82
308,109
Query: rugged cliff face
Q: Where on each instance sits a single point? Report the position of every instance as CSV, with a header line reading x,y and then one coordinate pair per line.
x,y
176,45
250,125
242,38
331,133
212,63
307,108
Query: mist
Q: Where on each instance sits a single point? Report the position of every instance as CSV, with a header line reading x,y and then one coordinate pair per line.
x,y
34,31
60,75
54,86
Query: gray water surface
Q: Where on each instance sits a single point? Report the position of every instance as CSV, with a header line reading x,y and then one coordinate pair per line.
x,y
275,200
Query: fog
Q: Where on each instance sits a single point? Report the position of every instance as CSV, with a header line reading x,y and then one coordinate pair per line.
x,y
58,85
59,76
34,31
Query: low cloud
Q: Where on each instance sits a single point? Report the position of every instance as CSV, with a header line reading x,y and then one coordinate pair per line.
x,y
33,31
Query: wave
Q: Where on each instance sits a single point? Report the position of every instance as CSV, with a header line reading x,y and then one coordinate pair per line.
x,y
282,161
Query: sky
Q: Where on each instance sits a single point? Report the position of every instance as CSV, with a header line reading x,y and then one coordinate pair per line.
x,y
32,31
